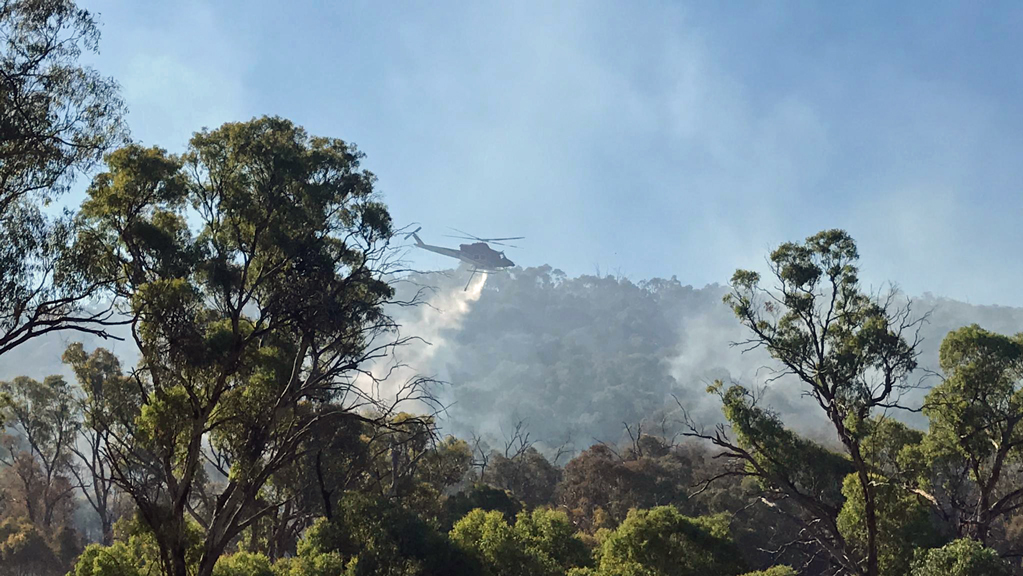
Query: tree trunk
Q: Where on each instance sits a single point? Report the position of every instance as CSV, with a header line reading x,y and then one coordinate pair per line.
x,y
108,529
869,503
328,509
870,512
981,524
254,536
173,558
206,564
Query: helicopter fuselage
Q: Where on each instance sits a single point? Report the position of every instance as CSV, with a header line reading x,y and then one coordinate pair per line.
x,y
479,255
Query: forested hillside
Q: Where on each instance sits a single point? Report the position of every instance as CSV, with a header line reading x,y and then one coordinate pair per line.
x,y
575,358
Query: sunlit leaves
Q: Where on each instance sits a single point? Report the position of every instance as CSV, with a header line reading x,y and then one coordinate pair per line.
x,y
663,542
962,557
904,523
541,543
780,457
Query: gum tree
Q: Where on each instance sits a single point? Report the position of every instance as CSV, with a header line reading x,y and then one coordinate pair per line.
x,y
851,351
57,119
254,271
974,449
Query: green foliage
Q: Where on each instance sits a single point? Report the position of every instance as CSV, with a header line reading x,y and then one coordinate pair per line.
x,y
774,571
489,536
135,552
57,117
964,557
980,393
370,536
824,329
600,487
848,349
663,542
260,250
46,416
528,475
892,449
321,564
243,564
118,559
779,456
975,437
410,466
548,535
904,523
479,496
541,542
25,550
447,464
109,398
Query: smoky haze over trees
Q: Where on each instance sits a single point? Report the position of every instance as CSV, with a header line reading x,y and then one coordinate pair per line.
x,y
576,357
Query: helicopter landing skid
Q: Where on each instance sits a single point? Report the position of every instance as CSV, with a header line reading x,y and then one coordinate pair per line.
x,y
471,276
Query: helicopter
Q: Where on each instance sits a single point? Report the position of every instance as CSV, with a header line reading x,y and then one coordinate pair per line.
x,y
479,254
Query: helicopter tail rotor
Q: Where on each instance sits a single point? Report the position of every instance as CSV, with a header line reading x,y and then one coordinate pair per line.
x,y
413,234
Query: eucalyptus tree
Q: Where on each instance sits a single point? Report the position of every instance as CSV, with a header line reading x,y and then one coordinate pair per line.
x,y
46,418
973,453
101,380
853,353
255,271
57,119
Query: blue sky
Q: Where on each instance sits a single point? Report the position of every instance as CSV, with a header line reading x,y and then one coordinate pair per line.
x,y
654,138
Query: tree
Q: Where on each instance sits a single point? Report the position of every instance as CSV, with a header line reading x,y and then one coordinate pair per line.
x,y
650,473
773,571
853,353
482,497
335,458
974,449
541,542
134,551
963,557
102,381
407,464
904,523
528,475
254,270
57,118
44,413
797,478
371,536
24,550
243,564
549,535
663,542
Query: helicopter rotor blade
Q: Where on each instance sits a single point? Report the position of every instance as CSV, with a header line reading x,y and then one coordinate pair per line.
x,y
470,236
467,236
499,239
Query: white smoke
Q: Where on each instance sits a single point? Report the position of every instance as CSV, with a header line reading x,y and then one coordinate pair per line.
x,y
430,324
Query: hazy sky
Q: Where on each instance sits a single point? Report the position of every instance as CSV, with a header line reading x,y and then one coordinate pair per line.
x,y
658,138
